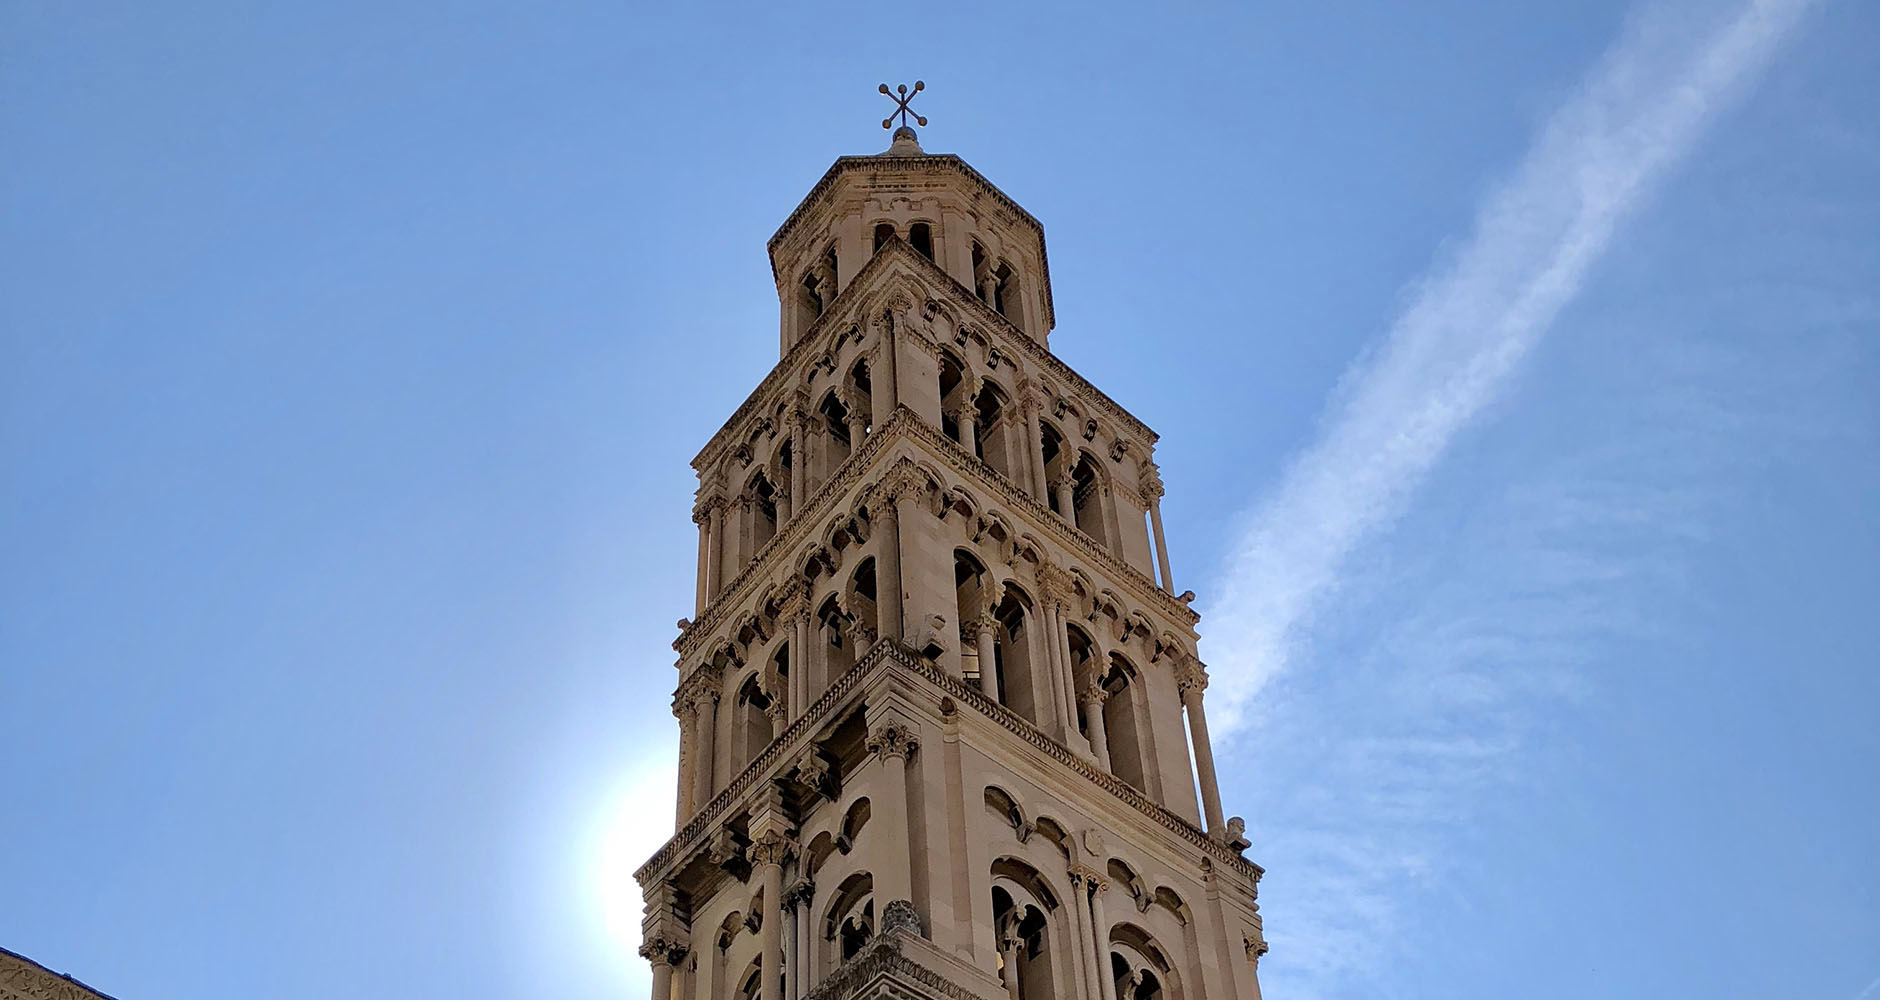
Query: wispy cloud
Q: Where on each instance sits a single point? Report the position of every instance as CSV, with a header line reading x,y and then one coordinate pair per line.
x,y
1467,327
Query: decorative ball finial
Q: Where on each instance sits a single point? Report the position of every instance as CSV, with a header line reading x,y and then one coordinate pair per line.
x,y
901,110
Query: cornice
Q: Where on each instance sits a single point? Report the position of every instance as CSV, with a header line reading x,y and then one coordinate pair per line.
x,y
932,162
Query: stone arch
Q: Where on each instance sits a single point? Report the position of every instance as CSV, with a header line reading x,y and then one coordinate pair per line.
x,y
1018,658
998,441
848,919
1033,952
1001,804
752,726
1141,968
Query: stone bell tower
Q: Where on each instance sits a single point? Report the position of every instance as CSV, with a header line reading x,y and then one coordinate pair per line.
x,y
939,697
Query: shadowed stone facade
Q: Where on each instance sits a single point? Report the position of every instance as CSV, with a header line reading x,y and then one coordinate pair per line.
x,y
936,704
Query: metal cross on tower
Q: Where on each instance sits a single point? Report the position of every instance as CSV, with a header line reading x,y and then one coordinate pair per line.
x,y
901,109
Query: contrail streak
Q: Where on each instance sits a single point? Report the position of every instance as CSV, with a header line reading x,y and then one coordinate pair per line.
x,y
1469,324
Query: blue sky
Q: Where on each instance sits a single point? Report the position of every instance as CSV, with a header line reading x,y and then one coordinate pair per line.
x,y
1517,368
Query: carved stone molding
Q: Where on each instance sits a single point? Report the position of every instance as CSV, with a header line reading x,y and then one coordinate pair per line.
x,y
662,951
894,738
771,849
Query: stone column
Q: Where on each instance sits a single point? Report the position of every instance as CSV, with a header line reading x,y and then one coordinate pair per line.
x,y
988,655
1100,934
969,430
800,693
1067,678
1094,696
887,382
1033,414
892,741
703,520
1078,907
799,454
784,509
687,711
705,734
857,420
1008,955
1161,543
799,898
662,954
1066,490
715,569
1054,669
1192,679
767,855
888,565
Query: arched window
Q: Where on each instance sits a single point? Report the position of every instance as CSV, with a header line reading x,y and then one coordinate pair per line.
x,y
754,729
970,601
1088,503
1141,967
952,385
1022,905
1125,722
1019,684
761,498
849,921
920,237
884,232
993,443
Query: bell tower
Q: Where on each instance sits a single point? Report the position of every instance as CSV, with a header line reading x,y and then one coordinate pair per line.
x,y
938,699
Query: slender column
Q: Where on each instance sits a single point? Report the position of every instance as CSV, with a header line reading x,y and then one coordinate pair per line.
x,y
1040,483
1008,955
661,954
768,856
715,569
858,421
892,742
1094,696
706,736
890,366
799,457
1054,671
688,759
1192,681
1100,935
703,521
988,657
888,569
1074,739
802,934
1079,908
800,693
968,429
1066,489
784,509
1161,543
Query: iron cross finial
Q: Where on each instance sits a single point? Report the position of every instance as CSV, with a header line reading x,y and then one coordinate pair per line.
x,y
900,104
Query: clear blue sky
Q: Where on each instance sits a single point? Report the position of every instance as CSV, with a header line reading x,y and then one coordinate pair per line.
x,y
351,356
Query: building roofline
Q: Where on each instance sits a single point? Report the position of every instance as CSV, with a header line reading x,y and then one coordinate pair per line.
x,y
926,161
10,953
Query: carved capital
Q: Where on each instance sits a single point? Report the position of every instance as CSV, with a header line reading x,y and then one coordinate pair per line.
x,y
1094,694
771,848
801,891
663,951
895,738
1191,675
